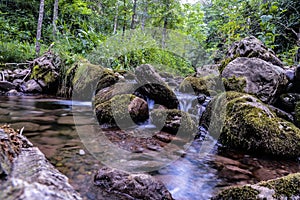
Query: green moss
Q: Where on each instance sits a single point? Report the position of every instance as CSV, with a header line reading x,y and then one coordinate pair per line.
x,y
251,126
118,108
234,83
287,186
297,113
88,78
238,193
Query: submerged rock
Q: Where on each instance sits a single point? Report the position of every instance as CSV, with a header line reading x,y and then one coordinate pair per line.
x,y
131,186
26,174
257,77
172,121
122,110
251,126
286,187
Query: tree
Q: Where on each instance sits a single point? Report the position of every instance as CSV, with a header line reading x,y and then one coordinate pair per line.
x,y
39,28
55,16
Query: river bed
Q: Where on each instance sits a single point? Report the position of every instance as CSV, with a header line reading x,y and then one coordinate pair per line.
x,y
49,124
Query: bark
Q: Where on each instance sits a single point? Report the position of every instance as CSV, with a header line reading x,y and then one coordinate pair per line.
x,y
124,22
144,17
55,16
132,26
39,28
116,19
164,32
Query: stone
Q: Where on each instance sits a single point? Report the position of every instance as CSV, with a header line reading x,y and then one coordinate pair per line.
x,y
122,110
131,186
28,174
32,86
152,86
286,187
28,126
6,86
252,47
172,121
251,126
260,78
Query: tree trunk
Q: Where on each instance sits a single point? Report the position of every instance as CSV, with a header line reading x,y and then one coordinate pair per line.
x,y
55,14
132,26
124,22
145,13
39,28
116,19
164,32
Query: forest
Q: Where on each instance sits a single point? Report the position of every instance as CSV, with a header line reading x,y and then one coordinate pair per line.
x,y
81,29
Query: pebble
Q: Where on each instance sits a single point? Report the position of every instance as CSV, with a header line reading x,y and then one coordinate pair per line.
x,y
81,152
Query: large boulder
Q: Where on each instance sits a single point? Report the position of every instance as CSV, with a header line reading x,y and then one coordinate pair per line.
x,y
258,77
26,174
286,187
252,47
153,87
122,110
251,126
89,78
172,121
131,186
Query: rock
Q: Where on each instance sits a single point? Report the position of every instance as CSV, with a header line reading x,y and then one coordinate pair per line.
x,y
287,102
32,86
234,173
26,174
6,86
13,92
252,47
282,114
131,186
122,110
89,78
257,77
286,187
251,126
153,87
172,121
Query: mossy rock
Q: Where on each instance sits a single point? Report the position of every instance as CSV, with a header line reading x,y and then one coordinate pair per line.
x,y
90,78
286,187
208,85
122,110
234,83
251,126
107,93
297,114
173,120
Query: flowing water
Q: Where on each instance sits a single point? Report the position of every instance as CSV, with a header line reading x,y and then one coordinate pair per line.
x,y
49,124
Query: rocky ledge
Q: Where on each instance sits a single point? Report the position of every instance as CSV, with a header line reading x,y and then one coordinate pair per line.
x,y
26,174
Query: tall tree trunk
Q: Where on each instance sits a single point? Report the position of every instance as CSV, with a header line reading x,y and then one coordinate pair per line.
x,y
132,26
55,16
125,18
164,32
39,28
116,19
144,18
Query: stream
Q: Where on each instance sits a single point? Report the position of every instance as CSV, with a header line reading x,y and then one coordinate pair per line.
x,y
49,125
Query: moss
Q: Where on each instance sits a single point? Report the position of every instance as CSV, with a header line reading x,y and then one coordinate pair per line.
x,y
237,193
297,113
118,108
173,120
234,83
287,186
251,126
89,78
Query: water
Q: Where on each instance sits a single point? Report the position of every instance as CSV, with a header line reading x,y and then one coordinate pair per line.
x,y
49,124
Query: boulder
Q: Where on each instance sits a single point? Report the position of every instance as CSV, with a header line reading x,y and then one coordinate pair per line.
x,y
89,78
252,47
251,126
32,86
6,86
153,87
286,187
172,121
131,186
257,77
26,174
122,110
